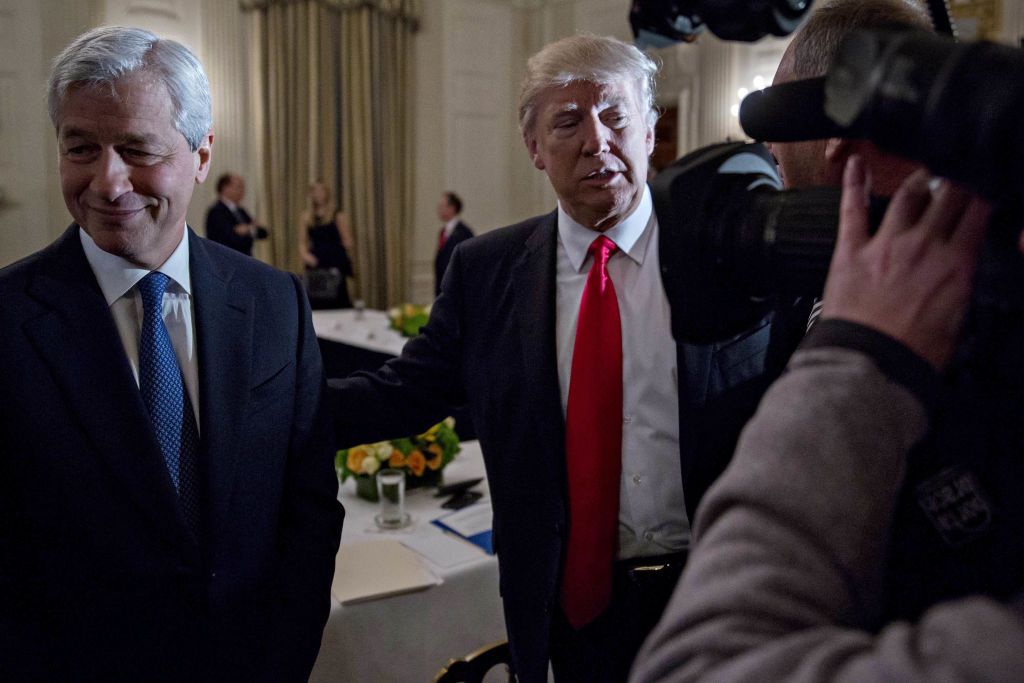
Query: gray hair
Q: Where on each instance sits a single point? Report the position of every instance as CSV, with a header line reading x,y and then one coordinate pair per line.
x,y
106,54
817,42
601,60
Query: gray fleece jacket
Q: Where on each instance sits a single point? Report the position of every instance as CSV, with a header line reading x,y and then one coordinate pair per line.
x,y
784,580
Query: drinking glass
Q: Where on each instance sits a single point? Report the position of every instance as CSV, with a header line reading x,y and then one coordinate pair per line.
x,y
391,493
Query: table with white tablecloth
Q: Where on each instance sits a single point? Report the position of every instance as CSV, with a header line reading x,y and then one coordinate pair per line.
x,y
408,637
368,329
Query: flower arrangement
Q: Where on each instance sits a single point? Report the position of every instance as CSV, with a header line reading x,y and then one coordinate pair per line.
x,y
423,457
409,318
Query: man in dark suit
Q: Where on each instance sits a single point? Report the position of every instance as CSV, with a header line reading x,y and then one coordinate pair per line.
x,y
166,482
453,232
227,221
556,333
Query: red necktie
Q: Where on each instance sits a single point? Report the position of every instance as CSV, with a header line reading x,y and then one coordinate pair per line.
x,y
441,240
593,445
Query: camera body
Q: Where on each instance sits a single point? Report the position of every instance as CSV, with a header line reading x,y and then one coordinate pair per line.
x,y
734,241
659,23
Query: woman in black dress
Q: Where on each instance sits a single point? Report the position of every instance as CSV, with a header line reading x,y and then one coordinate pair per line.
x,y
326,243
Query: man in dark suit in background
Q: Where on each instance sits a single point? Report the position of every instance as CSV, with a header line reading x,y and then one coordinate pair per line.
x,y
167,488
227,222
452,233
556,333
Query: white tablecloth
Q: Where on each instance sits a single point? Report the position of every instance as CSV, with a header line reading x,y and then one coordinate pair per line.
x,y
409,637
368,329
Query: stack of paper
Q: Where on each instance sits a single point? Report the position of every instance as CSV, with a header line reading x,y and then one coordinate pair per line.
x,y
472,523
377,568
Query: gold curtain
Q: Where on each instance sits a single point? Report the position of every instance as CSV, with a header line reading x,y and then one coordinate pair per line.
x,y
330,81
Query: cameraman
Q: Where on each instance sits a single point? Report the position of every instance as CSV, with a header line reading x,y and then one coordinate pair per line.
x,y
820,162
957,523
786,579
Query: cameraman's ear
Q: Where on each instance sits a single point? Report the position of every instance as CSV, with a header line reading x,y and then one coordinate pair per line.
x,y
838,149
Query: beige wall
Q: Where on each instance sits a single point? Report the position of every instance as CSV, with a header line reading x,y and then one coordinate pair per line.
x,y
32,32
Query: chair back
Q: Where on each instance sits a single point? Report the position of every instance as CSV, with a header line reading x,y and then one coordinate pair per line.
x,y
473,667
322,284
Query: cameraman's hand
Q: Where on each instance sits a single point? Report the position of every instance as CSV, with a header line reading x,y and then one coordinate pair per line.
x,y
912,280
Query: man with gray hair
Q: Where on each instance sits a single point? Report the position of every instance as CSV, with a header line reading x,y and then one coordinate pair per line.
x,y
166,479
556,333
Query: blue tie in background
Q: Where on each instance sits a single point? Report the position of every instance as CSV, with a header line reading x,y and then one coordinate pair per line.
x,y
163,392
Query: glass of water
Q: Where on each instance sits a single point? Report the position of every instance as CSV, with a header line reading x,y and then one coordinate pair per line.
x,y
391,493
359,305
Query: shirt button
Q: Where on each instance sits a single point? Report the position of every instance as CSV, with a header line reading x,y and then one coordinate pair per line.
x,y
648,536
637,479
627,419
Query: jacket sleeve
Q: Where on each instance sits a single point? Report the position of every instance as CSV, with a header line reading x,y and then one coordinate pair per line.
x,y
784,580
310,520
419,388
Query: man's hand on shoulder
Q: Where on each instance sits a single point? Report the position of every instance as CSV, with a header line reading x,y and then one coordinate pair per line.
x,y
912,280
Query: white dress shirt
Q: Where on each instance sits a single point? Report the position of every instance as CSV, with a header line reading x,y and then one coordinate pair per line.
x,y
117,278
449,227
652,516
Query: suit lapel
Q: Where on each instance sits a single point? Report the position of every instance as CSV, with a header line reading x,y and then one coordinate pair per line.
x,y
78,339
224,334
533,279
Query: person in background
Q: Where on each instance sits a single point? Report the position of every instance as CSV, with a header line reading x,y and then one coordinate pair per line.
x,y
227,222
326,242
167,489
453,231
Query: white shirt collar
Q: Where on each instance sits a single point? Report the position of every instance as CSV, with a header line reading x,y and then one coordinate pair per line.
x,y
228,203
117,275
449,227
630,236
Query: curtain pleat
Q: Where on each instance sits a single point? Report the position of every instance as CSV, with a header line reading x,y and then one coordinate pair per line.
x,y
333,90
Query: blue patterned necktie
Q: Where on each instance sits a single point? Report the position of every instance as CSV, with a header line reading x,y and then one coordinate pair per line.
x,y
163,392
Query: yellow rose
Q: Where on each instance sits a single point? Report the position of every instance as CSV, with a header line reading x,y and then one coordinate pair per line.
x,y
416,462
355,459
370,465
435,462
397,459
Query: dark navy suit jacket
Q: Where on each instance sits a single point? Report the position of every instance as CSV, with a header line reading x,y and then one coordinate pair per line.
x,y
460,234
220,227
490,342
100,577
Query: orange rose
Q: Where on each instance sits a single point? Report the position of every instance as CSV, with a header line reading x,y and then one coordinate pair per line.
x,y
396,459
416,462
435,462
355,459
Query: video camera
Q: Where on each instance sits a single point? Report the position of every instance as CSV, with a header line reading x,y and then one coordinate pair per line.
x,y
734,242
660,23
